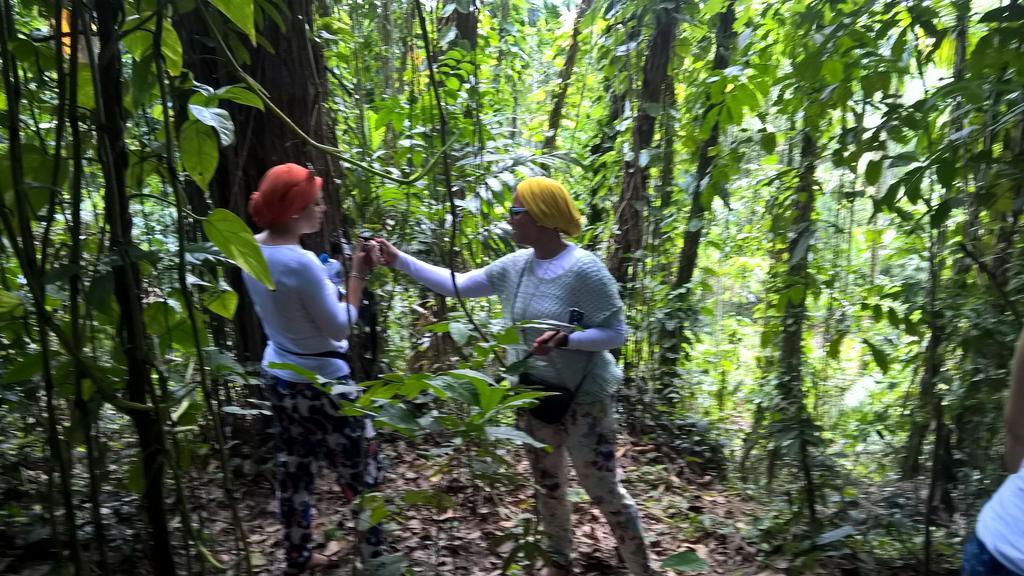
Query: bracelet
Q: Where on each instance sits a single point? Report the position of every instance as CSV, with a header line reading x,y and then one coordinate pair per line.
x,y
358,275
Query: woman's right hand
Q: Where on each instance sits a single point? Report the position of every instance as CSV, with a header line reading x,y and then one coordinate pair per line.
x,y
384,254
362,261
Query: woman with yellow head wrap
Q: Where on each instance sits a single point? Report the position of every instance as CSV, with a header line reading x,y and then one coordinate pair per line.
x,y
554,280
549,204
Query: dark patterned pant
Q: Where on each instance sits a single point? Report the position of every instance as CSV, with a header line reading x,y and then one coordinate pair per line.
x,y
588,435
978,561
310,429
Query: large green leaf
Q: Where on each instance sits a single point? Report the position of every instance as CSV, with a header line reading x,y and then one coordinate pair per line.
x,y
224,303
242,13
140,38
40,173
11,305
216,118
234,239
239,95
879,355
170,46
199,151
513,434
687,561
27,367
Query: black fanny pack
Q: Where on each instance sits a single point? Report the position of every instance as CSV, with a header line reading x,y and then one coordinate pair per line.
x,y
335,354
549,409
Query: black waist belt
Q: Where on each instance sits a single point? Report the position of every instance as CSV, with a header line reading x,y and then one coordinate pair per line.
x,y
335,354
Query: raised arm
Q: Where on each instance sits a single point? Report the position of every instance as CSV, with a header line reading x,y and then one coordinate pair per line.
x,y
319,296
472,284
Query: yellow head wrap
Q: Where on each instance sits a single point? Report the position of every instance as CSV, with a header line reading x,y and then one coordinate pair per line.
x,y
550,204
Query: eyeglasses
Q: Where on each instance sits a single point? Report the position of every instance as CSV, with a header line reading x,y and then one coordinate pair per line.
x,y
517,210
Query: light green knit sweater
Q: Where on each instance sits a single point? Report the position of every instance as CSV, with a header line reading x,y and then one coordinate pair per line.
x,y
586,285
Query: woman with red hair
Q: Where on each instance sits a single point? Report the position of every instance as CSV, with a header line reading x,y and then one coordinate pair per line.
x,y
307,327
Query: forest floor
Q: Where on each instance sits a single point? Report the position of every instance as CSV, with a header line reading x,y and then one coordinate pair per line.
x,y
679,514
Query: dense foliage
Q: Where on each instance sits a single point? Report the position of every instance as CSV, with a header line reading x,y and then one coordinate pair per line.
x,y
812,208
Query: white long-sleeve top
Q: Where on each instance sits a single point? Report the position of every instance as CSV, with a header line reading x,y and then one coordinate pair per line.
x,y
1000,520
303,314
474,284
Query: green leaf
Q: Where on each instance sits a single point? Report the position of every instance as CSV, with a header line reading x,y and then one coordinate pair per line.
x,y
518,367
447,35
240,95
86,94
40,173
434,498
769,141
216,118
946,172
10,306
170,47
508,337
879,355
514,434
835,346
873,172
305,373
837,534
387,565
398,417
140,39
473,376
136,477
234,239
242,13
224,303
199,152
28,367
687,561
460,332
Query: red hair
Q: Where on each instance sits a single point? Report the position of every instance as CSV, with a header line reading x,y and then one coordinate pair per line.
x,y
284,191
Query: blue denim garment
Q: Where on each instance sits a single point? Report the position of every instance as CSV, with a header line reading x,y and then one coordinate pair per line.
x,y
978,561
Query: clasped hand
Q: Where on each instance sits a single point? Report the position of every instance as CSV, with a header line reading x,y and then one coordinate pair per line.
x,y
548,341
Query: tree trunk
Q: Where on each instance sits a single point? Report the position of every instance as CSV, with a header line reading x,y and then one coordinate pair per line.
x,y
606,143
794,291
294,76
929,409
555,117
131,330
628,238
706,153
724,38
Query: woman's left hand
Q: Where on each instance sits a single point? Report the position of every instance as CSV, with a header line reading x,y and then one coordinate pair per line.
x,y
548,341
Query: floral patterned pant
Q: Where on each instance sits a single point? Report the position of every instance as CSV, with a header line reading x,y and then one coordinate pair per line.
x,y
588,435
310,429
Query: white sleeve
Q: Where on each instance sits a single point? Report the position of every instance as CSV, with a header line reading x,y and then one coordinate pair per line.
x,y
471,284
599,338
320,298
